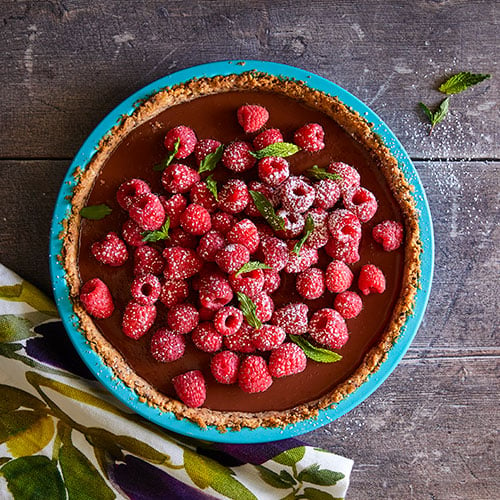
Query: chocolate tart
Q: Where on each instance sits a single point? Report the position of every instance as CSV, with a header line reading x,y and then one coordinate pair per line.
x,y
208,105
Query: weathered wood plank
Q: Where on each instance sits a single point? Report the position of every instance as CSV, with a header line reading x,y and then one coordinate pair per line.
x,y
70,62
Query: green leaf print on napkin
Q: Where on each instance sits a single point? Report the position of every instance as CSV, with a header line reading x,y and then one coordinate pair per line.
x,y
273,479
34,478
14,328
32,439
290,457
26,292
314,494
323,477
13,398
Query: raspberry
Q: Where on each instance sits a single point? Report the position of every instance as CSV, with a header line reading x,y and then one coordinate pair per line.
x,y
182,318
206,314
287,359
328,327
179,238
273,171
228,320
310,137
344,226
196,220
111,250
129,191
174,206
190,387
254,375
371,280
173,292
148,212
147,260
327,193
203,148
237,157
264,230
232,257
201,195
361,203
245,233
275,252
222,222
131,234
338,276
349,175
233,197
264,306
348,304
296,194
179,178
187,139
252,117
267,191
320,234
181,263
224,367
206,338
268,337
215,292
250,283
146,289
96,299
346,252
298,263
311,283
292,318
137,319
272,281
266,138
241,341
210,244
389,234
167,346
294,224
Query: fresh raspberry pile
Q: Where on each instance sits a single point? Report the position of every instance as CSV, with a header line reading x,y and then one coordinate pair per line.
x,y
234,277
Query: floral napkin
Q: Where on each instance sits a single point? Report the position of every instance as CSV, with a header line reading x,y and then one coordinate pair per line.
x,y
62,435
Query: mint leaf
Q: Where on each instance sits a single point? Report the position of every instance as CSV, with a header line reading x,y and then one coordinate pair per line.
x,y
316,173
168,160
461,81
308,229
315,353
210,161
95,212
251,266
278,149
160,234
212,186
438,115
267,211
248,308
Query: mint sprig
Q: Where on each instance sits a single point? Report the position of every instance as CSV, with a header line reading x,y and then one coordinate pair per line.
x,y
210,161
462,81
436,116
315,353
267,210
249,309
95,212
212,186
251,266
160,234
308,229
316,173
278,149
168,160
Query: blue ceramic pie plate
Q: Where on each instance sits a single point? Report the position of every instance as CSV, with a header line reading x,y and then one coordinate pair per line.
x,y
168,420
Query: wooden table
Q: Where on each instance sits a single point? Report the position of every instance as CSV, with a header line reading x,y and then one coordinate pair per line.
x,y
431,430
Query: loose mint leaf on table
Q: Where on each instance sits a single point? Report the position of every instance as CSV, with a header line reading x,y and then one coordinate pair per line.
x,y
248,308
267,211
210,161
315,353
461,81
316,173
160,234
212,186
95,212
251,266
308,229
278,149
168,160
438,115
